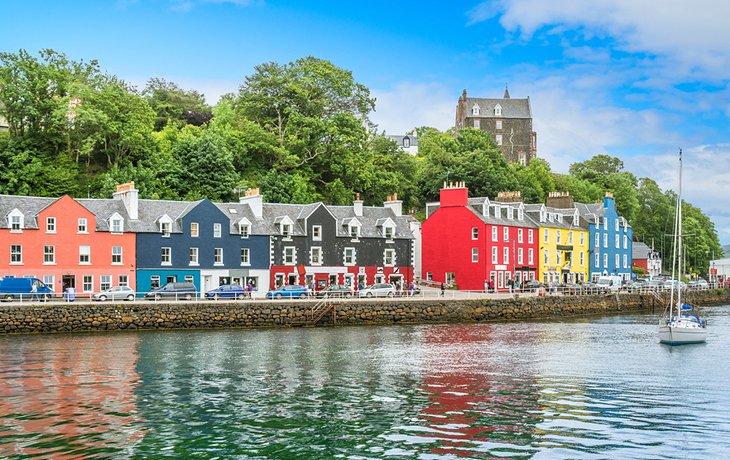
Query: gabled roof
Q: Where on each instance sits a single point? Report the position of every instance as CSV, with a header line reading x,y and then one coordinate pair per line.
x,y
30,206
640,250
511,108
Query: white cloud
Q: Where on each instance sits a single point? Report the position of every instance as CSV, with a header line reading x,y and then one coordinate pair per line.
x,y
186,5
410,105
693,37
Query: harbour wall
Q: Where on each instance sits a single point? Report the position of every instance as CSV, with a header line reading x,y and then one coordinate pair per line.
x,y
112,316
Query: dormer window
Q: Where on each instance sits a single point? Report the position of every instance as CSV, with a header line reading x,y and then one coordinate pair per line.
x,y
165,228
520,214
406,142
560,218
17,221
116,223
542,215
244,228
354,231
485,210
498,110
475,110
510,213
388,233
285,230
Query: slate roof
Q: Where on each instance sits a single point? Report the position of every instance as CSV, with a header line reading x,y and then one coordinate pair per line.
x,y
511,108
640,250
476,205
30,206
398,138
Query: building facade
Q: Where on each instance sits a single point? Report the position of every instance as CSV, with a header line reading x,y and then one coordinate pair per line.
x,y
87,245
468,242
610,239
508,120
645,258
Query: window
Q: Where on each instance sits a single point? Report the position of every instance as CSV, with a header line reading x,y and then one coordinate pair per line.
x,y
505,234
605,240
116,255
474,233
389,233
166,256
50,225
626,261
545,236
557,258
626,242
545,259
510,213
123,280
616,224
499,139
477,124
617,260
557,236
16,223
286,230
530,257
494,233
582,258
193,256
349,256
218,256
498,124
84,254
520,256
519,235
87,283
194,229
498,110
48,280
406,142
189,279
105,282
529,236
245,256
216,230
475,254
596,260
315,255
617,241
289,252
582,238
117,225
165,228
389,257
605,261
505,256
475,110
354,232
82,225
16,254
598,240
154,281
316,233
49,254
494,255
605,223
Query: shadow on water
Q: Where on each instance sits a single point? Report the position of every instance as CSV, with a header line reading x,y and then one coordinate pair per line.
x,y
591,388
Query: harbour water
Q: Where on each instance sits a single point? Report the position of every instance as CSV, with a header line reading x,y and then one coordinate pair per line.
x,y
589,388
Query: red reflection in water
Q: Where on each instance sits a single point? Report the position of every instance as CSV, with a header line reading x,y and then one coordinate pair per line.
x,y
474,399
73,393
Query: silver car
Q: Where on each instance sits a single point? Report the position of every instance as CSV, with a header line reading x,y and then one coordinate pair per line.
x,y
115,293
377,290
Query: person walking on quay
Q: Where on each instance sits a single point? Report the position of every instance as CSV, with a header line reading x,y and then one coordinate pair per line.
x,y
486,286
249,288
442,290
411,288
33,291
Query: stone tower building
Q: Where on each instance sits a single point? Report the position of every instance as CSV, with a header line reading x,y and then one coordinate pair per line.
x,y
508,120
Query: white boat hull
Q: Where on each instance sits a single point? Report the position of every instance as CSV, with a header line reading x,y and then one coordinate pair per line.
x,y
680,334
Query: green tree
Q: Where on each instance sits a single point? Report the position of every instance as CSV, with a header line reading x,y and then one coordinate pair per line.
x,y
172,103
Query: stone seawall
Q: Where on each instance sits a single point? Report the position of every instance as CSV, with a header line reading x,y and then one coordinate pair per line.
x,y
110,316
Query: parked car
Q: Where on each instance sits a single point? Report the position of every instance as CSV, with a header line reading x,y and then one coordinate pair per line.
x,y
532,285
292,290
698,284
175,291
335,290
593,288
22,288
377,290
572,289
677,284
637,285
227,291
114,293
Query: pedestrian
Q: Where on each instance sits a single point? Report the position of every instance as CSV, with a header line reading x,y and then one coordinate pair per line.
x,y
442,290
411,288
491,285
34,291
486,286
249,288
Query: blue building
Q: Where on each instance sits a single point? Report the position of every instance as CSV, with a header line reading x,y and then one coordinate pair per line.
x,y
198,242
610,239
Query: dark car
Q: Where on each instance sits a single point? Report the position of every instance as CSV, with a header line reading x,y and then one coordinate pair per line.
x,y
532,286
335,290
227,291
290,291
175,291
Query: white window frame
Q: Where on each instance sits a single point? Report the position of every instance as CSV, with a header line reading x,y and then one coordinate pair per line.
x,y
626,242
50,225
316,233
530,256
194,230
217,256
582,238
289,255
474,233
605,261
596,260
217,230
49,254
120,255
505,233
193,256
105,282
626,261
82,225
495,255
285,230
582,258
520,237
477,124
474,255
498,124
505,255
546,236
84,253
166,255
498,139
557,236
16,252
530,238
605,240
315,255
245,256
389,257
546,257
597,243
123,280
87,283
495,233
349,253
605,223
520,256
116,224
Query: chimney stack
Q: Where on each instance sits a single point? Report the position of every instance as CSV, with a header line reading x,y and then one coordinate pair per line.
x,y
255,201
130,196
395,204
509,197
560,200
357,205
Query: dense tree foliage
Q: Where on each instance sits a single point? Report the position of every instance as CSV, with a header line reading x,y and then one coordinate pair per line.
x,y
299,131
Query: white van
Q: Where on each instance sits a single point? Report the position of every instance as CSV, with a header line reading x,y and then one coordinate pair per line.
x,y
612,283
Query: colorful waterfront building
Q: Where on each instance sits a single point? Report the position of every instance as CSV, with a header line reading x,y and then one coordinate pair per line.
x,y
563,240
468,242
84,244
611,236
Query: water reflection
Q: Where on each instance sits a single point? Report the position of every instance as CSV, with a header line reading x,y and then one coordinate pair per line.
x,y
72,395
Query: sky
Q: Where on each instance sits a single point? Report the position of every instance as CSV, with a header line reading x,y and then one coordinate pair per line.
x,y
635,79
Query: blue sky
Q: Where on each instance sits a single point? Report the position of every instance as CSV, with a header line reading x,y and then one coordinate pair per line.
x,y
632,78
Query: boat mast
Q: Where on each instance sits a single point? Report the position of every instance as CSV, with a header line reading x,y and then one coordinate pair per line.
x,y
679,224
674,244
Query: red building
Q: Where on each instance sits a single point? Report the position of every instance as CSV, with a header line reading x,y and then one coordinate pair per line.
x,y
469,241
84,244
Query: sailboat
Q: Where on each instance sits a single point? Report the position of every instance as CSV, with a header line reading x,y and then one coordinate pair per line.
x,y
681,323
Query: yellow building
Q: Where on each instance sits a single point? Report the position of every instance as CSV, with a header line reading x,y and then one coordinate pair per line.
x,y
563,243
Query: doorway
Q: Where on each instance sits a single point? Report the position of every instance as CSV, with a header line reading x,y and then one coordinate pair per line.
x,y
68,281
